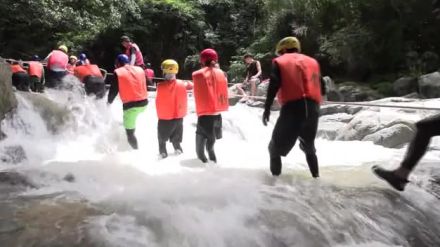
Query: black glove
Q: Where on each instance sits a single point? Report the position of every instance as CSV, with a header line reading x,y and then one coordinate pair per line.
x,y
266,116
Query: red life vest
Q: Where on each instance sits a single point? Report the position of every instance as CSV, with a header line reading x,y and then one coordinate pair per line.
x,y
16,68
139,58
58,60
210,91
132,83
300,78
83,71
171,99
149,73
36,69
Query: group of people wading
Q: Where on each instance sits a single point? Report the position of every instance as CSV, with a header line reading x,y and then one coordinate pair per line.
x,y
295,80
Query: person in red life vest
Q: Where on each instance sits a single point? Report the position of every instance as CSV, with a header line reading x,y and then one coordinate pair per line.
x,y
133,52
149,73
91,76
57,62
295,79
132,88
171,107
211,98
36,74
72,64
20,77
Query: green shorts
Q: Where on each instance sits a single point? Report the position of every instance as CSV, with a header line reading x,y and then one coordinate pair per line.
x,y
130,116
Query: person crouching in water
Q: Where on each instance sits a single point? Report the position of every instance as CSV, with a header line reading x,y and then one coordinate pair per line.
x,y
171,107
296,79
91,76
36,73
211,97
132,88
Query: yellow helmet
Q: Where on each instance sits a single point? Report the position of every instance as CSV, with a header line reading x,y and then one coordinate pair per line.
x,y
63,48
287,43
73,57
170,66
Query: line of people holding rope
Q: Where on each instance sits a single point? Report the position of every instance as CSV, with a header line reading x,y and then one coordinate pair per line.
x,y
295,80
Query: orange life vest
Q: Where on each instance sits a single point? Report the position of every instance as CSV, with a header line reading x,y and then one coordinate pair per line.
x,y
149,73
83,71
139,58
36,69
132,83
210,91
300,78
16,68
58,60
171,99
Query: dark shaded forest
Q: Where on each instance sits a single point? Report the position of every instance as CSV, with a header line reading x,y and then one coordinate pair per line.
x,y
368,41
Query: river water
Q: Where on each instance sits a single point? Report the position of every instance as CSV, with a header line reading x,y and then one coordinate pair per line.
x,y
114,196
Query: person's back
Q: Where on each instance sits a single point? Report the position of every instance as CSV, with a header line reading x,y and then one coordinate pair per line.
x,y
211,97
57,62
132,84
20,77
36,73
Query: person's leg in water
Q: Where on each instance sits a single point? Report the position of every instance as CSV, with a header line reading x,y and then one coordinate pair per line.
x,y
177,135
284,135
217,134
130,117
398,178
163,134
307,137
131,138
205,131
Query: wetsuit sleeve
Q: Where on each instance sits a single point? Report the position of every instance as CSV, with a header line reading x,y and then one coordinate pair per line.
x,y
132,56
114,90
274,86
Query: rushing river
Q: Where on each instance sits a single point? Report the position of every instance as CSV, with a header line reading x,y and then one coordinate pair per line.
x,y
91,189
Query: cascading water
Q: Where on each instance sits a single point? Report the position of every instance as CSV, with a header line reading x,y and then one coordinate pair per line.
x,y
113,196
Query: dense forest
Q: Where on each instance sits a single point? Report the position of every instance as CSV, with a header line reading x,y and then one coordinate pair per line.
x,y
359,40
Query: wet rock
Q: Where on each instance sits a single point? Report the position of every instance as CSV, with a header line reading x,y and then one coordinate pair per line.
x,y
405,86
7,97
353,92
69,178
55,115
429,85
339,117
333,109
392,137
13,154
15,179
8,226
330,130
262,88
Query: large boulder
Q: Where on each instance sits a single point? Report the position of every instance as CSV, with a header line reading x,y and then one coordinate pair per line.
x,y
7,97
12,154
352,92
392,137
329,109
404,86
429,85
15,179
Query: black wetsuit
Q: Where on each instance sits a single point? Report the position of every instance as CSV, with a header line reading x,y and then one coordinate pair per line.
x,y
170,130
37,84
298,119
21,81
426,129
252,70
94,85
209,129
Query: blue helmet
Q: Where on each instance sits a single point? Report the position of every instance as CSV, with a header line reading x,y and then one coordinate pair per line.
x,y
35,58
82,56
123,59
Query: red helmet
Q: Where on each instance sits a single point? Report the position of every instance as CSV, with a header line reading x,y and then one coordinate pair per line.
x,y
208,55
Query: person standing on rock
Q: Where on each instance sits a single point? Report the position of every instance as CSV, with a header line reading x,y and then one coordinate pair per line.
x,y
398,178
295,79
36,73
133,52
131,85
171,107
211,98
